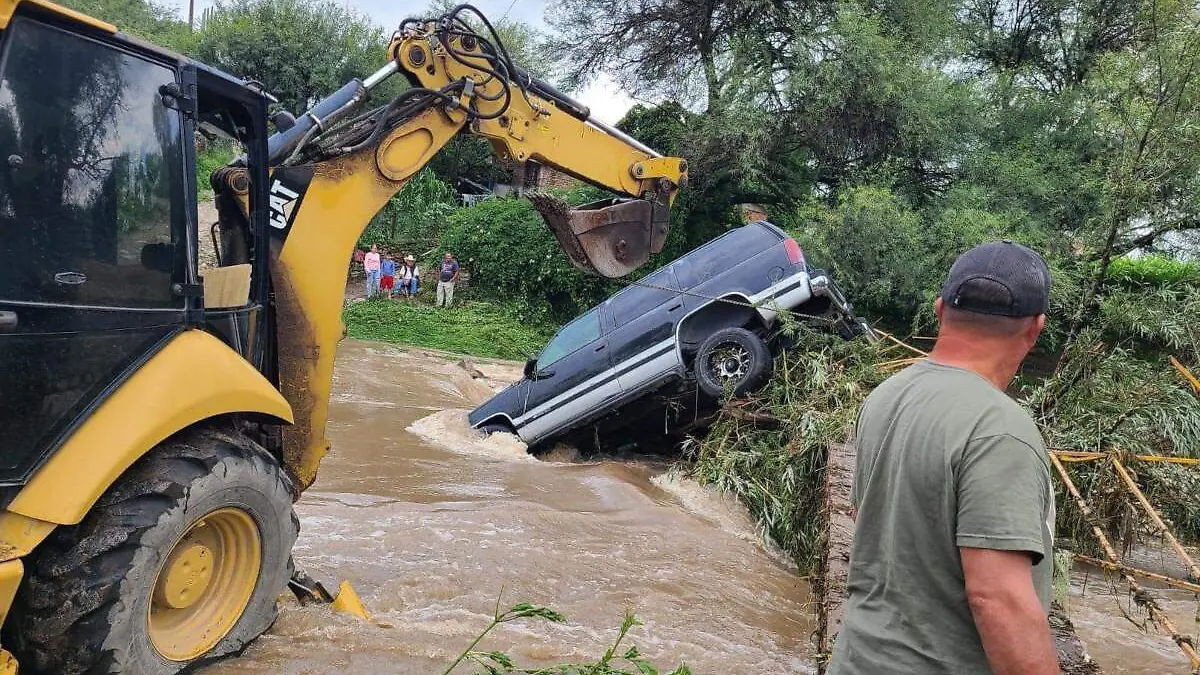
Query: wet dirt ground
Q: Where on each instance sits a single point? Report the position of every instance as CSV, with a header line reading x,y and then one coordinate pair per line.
x,y
430,523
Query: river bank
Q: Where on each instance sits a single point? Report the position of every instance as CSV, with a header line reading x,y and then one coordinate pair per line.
x,y
474,328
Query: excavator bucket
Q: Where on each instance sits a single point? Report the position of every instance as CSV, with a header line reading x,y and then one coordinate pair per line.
x,y
310,591
610,238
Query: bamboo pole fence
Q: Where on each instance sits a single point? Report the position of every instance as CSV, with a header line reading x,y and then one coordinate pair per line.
x,y
1140,596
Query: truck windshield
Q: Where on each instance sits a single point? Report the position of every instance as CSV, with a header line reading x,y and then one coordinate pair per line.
x,y
579,333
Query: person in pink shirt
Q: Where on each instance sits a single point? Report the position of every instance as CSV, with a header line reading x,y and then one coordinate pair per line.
x,y
371,265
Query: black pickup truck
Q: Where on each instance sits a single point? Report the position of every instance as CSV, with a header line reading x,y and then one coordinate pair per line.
x,y
704,322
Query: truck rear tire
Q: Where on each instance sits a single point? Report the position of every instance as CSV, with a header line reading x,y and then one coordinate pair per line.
x,y
732,362
180,562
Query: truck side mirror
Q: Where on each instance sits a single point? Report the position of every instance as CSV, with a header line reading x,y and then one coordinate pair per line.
x,y
531,368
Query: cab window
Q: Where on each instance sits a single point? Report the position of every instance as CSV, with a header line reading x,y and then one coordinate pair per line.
x,y
575,335
643,296
88,161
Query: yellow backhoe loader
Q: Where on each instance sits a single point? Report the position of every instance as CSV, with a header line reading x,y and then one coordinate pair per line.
x,y
160,415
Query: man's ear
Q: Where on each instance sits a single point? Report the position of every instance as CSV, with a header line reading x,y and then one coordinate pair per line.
x,y
938,308
1035,328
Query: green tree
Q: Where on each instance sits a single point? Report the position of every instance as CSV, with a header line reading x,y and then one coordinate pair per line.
x,y
703,53
413,220
150,21
301,50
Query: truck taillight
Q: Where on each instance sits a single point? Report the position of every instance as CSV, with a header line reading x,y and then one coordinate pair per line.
x,y
795,255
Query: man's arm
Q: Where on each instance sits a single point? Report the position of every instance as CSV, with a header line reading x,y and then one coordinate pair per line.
x,y
457,271
1008,614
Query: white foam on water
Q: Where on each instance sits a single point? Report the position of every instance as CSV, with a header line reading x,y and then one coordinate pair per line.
x,y
449,429
719,508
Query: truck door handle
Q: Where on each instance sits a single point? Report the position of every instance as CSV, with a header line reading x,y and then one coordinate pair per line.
x,y
600,348
8,321
674,307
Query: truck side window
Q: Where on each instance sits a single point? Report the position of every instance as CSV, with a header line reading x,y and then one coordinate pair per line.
x,y
685,273
645,295
573,336
88,158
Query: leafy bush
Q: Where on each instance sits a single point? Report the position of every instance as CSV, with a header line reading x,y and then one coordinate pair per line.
x,y
413,219
1118,400
477,328
1155,270
889,258
1155,318
214,155
513,258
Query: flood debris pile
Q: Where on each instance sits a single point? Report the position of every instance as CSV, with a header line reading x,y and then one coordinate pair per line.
x,y
776,469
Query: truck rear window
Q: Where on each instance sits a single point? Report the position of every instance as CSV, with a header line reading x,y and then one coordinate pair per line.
x,y
724,252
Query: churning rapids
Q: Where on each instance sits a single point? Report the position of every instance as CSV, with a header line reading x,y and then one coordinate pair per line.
x,y
430,523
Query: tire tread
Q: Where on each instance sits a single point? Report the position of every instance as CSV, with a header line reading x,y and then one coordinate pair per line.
x,y
60,617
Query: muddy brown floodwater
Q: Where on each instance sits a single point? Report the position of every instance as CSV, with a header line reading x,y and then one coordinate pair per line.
x,y
430,523
1118,646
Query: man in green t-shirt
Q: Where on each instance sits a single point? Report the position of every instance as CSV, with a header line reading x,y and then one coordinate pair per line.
x,y
950,570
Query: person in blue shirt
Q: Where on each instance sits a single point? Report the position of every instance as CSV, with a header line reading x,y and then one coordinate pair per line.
x,y
387,274
449,275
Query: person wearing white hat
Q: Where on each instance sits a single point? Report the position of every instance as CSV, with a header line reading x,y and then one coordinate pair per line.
x,y
410,277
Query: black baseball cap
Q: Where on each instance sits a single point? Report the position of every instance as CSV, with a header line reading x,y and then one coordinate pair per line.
x,y
1002,278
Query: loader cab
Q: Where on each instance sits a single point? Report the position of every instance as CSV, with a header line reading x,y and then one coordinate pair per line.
x,y
232,223
99,240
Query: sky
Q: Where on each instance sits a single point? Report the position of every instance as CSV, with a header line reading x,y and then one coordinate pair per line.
x,y
606,99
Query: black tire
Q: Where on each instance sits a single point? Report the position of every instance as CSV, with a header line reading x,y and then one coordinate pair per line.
x,y
83,607
496,428
732,361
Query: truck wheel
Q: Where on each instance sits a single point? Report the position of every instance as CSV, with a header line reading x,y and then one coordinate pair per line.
x,y
179,562
496,428
732,361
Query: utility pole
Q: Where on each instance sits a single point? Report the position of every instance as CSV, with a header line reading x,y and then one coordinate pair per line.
x,y
191,14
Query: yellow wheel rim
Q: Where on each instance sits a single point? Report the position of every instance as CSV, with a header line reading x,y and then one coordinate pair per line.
x,y
204,584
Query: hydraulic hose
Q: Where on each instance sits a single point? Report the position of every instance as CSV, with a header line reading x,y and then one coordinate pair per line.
x,y
282,144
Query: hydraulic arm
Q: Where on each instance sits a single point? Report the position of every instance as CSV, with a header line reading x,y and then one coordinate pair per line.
x,y
337,165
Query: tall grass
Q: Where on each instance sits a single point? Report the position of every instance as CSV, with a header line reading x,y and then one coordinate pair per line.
x,y
1121,402
475,328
